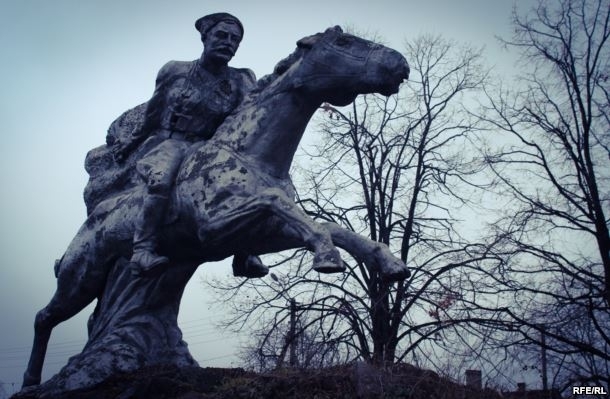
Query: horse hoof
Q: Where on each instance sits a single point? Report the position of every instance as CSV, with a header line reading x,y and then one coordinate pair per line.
x,y
29,380
394,270
328,262
398,275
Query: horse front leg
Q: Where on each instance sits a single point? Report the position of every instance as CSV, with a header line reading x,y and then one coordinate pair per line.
x,y
374,254
316,238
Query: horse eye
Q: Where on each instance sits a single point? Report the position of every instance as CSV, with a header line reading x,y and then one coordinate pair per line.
x,y
343,41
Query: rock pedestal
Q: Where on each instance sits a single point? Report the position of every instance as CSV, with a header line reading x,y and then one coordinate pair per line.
x,y
134,325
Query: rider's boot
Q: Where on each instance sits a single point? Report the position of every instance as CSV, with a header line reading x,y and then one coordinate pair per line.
x,y
249,266
145,235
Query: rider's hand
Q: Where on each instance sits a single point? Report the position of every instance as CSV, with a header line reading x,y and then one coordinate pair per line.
x,y
119,151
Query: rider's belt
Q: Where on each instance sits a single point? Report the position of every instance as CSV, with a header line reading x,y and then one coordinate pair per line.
x,y
178,121
185,136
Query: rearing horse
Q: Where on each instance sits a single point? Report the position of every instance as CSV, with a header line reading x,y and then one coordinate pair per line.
x,y
233,194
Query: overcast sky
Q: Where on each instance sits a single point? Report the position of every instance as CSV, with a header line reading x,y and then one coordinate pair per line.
x,y
69,67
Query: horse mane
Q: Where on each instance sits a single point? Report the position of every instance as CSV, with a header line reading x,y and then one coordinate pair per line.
x,y
281,67
278,71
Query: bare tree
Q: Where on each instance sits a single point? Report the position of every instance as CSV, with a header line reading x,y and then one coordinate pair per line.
x,y
398,169
297,344
553,170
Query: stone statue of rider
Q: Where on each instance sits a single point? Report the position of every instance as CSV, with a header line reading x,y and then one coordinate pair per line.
x,y
190,101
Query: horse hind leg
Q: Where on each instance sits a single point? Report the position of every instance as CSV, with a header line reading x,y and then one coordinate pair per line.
x,y
81,276
65,304
77,286
43,325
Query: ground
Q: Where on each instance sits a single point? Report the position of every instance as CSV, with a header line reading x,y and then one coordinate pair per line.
x,y
355,381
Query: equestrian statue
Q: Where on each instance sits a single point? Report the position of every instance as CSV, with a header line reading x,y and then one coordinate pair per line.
x,y
230,195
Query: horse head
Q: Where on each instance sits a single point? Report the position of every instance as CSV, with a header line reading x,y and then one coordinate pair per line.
x,y
335,67
332,67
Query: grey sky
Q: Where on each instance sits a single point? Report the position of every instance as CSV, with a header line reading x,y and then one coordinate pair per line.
x,y
69,67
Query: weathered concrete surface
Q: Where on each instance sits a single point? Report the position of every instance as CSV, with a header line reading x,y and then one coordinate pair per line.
x,y
232,196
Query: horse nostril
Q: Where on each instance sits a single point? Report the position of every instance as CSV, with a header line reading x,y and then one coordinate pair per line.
x,y
406,70
397,65
402,67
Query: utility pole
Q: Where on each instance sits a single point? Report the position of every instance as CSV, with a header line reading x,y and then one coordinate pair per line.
x,y
544,372
293,334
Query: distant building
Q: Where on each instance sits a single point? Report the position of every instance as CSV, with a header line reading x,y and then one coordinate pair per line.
x,y
523,393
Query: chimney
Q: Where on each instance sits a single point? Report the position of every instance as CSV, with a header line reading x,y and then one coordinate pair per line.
x,y
474,379
521,387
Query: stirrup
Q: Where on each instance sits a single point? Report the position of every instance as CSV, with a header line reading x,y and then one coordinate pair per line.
x,y
251,267
147,261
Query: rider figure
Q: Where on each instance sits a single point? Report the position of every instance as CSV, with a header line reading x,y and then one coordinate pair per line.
x,y
190,101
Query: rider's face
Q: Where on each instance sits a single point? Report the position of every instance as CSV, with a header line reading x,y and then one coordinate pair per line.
x,y
221,42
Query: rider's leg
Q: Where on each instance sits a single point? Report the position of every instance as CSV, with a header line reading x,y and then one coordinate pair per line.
x,y
158,168
145,236
250,266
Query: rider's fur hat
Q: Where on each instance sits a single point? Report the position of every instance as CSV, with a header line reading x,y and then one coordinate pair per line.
x,y
204,24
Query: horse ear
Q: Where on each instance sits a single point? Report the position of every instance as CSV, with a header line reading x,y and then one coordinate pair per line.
x,y
334,29
308,41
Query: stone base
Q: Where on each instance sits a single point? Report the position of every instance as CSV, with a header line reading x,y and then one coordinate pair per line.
x,y
134,326
153,382
356,381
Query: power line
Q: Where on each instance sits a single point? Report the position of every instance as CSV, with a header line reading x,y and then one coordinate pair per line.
x,y
206,341
190,330
217,357
54,355
28,348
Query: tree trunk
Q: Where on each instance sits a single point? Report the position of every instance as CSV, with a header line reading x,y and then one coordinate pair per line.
x,y
135,324
381,325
